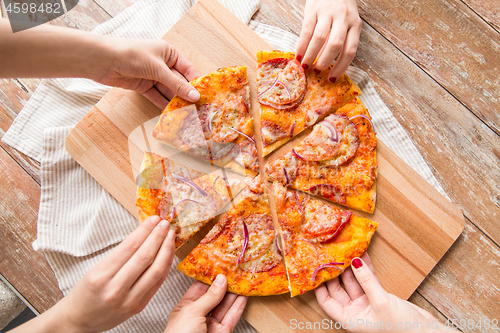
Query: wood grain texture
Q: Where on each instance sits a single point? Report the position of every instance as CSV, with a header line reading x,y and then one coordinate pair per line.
x,y
488,10
417,224
27,270
448,41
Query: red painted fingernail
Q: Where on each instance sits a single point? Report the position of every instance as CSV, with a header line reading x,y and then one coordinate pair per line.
x,y
317,71
305,66
299,58
357,263
332,79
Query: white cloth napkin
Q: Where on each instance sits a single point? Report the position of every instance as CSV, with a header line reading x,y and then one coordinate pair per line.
x,y
79,222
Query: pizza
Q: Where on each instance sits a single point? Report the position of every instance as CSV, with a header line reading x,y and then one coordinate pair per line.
x,y
243,246
319,241
186,198
312,241
292,99
219,127
337,161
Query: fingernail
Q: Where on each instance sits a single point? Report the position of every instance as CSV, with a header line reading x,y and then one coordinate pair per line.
x,y
164,224
305,66
171,234
317,71
155,219
356,263
299,58
193,95
219,280
332,79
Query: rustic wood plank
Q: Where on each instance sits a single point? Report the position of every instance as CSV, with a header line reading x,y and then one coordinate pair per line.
x,y
28,271
14,94
488,10
86,15
112,7
448,41
465,284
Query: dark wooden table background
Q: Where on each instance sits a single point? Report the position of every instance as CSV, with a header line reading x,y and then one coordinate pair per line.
x,y
435,63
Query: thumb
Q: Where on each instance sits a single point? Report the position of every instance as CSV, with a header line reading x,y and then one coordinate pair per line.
x,y
178,85
368,281
212,297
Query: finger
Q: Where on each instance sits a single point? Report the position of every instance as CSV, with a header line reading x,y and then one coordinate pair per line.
x,y
333,47
348,52
305,35
367,280
156,97
321,33
351,285
185,68
337,292
224,306
166,91
123,252
158,271
233,316
212,297
330,305
143,258
179,86
368,261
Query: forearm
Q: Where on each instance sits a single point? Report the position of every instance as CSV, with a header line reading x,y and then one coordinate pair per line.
x,y
47,51
53,320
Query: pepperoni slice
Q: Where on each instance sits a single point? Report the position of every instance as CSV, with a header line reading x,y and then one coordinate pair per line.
x,y
280,82
272,132
321,221
335,140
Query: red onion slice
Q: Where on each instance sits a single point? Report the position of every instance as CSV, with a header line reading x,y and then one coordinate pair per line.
x,y
363,116
293,129
334,136
215,188
249,138
286,176
270,87
210,119
190,183
288,92
331,264
278,246
245,244
297,154
346,217
183,200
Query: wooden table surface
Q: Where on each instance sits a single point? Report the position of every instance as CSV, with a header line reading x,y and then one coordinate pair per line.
x,y
435,65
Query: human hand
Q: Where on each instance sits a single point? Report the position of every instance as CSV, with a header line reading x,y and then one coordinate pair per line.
x,y
153,68
330,28
364,303
207,309
121,284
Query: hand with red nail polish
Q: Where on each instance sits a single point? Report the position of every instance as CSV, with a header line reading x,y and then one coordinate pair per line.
x,y
362,305
330,28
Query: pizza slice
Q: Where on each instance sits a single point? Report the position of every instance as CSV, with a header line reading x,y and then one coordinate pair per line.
x,y
292,99
219,127
243,246
186,198
319,240
336,161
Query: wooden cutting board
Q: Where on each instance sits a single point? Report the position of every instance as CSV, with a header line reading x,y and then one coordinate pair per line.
x,y
417,225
